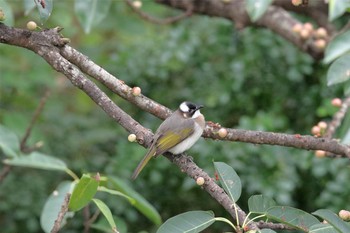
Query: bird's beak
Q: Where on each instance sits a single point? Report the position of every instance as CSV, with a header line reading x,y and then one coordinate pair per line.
x,y
199,107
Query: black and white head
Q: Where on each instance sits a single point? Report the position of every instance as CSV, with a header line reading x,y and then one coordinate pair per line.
x,y
190,110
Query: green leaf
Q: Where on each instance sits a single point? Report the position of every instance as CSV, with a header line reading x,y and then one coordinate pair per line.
x,y
53,206
292,217
29,5
229,180
117,193
256,8
106,212
9,143
339,71
322,228
103,225
333,219
267,231
37,160
189,222
337,47
336,8
91,12
44,8
140,203
260,204
7,10
83,192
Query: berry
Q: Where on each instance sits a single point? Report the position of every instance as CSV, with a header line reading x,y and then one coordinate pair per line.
x,y
297,27
321,33
304,33
336,102
200,181
132,137
345,215
320,153
297,2
137,4
316,130
222,132
322,125
320,44
31,25
308,26
136,91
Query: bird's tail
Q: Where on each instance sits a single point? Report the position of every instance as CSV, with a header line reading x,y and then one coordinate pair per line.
x,y
143,162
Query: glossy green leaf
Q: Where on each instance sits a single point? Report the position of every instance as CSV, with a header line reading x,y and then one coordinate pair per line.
x,y
292,217
9,143
83,192
29,5
336,8
37,160
107,213
338,46
339,71
102,225
259,204
189,222
117,193
229,180
140,203
44,8
323,228
333,219
53,206
256,8
91,12
7,10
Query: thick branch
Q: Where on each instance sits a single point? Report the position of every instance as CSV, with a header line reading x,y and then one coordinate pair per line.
x,y
275,18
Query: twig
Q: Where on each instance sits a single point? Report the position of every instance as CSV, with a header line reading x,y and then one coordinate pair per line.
x,y
4,172
337,119
35,117
273,226
155,20
61,214
88,221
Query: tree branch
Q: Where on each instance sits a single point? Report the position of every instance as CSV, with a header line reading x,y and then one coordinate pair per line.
x,y
61,214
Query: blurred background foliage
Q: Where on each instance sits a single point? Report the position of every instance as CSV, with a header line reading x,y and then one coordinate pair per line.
x,y
250,79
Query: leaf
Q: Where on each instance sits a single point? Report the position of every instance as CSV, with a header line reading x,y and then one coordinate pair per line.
x,y
339,71
140,203
117,193
189,222
256,8
83,192
53,206
45,8
9,143
323,228
37,160
103,225
91,12
29,5
337,47
106,212
259,204
292,217
333,219
229,180
267,231
336,8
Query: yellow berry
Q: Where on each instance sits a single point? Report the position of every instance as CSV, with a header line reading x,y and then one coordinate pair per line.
x,y
320,44
308,26
336,102
304,33
222,132
132,137
137,4
31,25
136,91
297,27
322,125
345,215
316,130
297,2
321,33
320,153
200,181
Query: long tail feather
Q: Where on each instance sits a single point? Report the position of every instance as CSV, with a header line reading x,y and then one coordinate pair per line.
x,y
143,163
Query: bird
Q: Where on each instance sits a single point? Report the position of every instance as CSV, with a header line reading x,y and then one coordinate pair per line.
x,y
178,133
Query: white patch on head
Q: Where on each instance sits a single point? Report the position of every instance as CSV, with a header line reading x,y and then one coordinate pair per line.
x,y
184,107
196,114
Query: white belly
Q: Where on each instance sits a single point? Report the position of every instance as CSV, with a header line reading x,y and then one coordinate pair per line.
x,y
187,143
